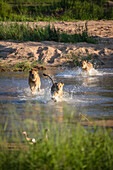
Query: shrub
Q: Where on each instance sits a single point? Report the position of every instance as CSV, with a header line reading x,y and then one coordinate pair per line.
x,y
5,10
24,32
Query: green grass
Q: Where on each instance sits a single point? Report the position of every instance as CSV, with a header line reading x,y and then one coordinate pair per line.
x,y
66,148
66,10
24,32
69,145
26,66
22,66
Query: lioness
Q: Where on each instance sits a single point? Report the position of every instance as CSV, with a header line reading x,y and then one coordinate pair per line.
x,y
56,89
34,80
86,66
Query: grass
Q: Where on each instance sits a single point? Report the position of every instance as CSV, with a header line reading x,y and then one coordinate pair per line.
x,y
22,66
24,32
69,146
25,66
32,10
66,149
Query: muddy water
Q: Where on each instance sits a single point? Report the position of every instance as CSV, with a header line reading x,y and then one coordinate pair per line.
x,y
88,93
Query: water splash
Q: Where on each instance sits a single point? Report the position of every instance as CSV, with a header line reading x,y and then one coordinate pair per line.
x,y
42,96
76,91
92,72
79,72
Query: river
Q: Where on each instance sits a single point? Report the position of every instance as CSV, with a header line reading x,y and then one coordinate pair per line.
x,y
88,93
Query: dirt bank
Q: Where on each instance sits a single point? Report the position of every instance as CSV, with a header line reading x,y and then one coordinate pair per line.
x,y
54,54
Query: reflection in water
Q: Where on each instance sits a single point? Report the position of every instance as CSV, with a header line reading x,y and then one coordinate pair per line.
x,y
90,81
90,94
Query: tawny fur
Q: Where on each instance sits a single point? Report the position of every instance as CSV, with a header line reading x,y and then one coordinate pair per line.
x,y
87,66
34,81
56,89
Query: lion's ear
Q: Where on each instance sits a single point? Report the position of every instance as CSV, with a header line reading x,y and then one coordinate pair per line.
x,y
62,84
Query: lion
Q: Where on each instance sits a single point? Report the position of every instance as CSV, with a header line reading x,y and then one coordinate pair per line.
x,y
56,89
87,66
34,81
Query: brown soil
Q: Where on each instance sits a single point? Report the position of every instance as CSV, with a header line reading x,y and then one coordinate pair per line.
x,y
55,54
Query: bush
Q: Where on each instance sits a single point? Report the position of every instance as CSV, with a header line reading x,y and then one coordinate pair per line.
x,y
69,145
5,10
67,148
58,9
24,32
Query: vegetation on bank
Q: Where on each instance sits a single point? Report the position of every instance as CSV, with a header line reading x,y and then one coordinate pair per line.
x,y
27,32
24,32
22,66
46,10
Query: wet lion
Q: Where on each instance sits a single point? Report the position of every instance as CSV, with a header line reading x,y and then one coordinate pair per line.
x,y
56,89
87,66
34,81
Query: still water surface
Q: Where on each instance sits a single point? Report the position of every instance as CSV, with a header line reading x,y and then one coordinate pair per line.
x,y
90,94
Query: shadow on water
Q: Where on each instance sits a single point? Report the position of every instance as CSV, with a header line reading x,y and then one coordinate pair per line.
x,y
88,93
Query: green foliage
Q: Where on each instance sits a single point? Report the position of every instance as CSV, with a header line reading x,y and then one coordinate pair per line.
x,y
5,10
69,145
23,66
66,148
24,32
34,10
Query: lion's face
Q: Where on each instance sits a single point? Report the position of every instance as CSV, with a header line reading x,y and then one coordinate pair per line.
x,y
87,66
84,64
57,89
60,86
33,75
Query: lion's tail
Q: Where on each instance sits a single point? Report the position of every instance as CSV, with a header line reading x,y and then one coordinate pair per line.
x,y
49,77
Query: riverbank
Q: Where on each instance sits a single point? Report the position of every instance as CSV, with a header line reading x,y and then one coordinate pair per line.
x,y
15,54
